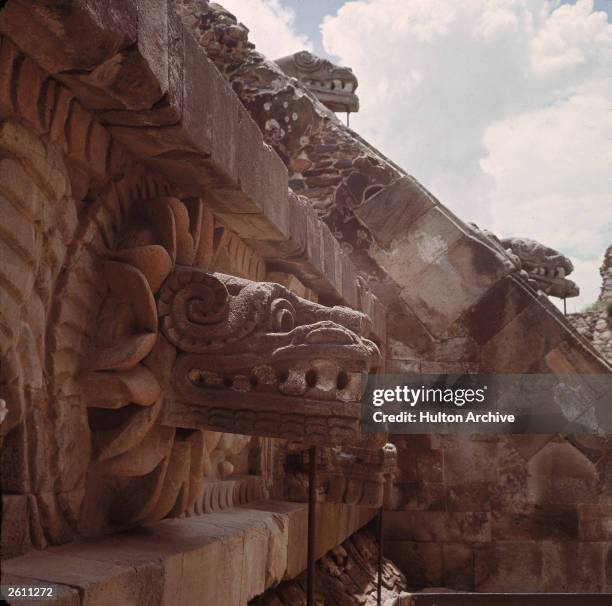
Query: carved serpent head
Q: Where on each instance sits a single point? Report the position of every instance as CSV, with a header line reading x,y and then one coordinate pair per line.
x,y
546,266
333,85
179,354
265,360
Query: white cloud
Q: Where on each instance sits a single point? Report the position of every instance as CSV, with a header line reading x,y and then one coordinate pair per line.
x,y
271,25
503,108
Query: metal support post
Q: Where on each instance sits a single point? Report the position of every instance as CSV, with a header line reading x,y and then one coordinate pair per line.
x,y
380,556
312,521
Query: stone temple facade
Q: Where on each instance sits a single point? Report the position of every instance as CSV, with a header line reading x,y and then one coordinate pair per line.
x,y
199,264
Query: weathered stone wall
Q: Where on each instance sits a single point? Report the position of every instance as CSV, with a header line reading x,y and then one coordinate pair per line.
x,y
111,113
503,513
104,193
67,188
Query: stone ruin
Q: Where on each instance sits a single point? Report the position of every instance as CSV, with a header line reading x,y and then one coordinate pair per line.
x,y
200,262
595,324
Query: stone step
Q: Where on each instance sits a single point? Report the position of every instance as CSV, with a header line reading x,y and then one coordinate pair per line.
x,y
217,559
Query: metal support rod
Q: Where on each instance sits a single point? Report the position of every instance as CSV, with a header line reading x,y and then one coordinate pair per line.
x,y
564,306
380,556
347,117
312,520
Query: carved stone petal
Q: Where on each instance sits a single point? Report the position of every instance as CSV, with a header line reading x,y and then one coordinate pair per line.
x,y
130,432
151,485
129,282
153,261
128,353
143,458
197,221
177,477
115,389
162,218
185,249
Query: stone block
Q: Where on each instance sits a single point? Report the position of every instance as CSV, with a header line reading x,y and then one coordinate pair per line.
x,y
252,227
573,567
229,557
523,343
595,521
50,37
349,293
214,118
407,329
571,356
430,466
471,496
390,212
550,523
525,445
330,258
467,460
423,496
437,526
593,447
99,582
426,242
454,349
422,563
454,279
458,566
504,567
559,474
315,243
499,306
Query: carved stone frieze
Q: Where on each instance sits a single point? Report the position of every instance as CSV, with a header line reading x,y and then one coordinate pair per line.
x,y
351,475
180,354
255,358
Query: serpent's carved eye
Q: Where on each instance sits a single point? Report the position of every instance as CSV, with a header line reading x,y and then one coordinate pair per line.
x,y
283,316
307,61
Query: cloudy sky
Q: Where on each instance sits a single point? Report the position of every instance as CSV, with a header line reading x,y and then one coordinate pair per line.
x,y
502,108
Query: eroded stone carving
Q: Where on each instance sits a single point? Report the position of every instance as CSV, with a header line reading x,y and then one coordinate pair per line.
x,y
258,347
333,85
546,267
179,351
351,475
